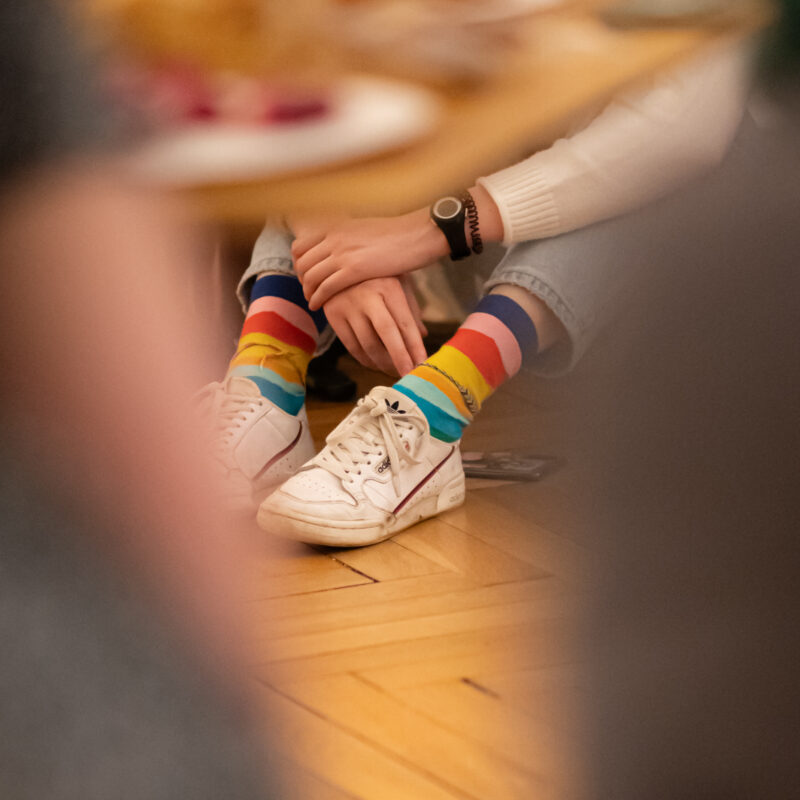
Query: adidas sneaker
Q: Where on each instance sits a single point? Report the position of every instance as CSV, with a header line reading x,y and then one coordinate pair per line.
x,y
256,444
379,472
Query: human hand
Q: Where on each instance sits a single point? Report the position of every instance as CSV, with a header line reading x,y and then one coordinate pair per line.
x,y
333,254
379,322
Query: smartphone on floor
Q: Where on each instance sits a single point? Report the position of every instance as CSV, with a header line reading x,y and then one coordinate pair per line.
x,y
507,465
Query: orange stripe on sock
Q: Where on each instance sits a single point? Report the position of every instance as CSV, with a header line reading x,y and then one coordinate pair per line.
x,y
483,353
291,367
445,386
276,326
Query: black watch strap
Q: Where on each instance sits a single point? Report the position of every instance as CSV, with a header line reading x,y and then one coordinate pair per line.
x,y
449,214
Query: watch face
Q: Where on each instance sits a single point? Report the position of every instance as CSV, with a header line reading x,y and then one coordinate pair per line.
x,y
447,207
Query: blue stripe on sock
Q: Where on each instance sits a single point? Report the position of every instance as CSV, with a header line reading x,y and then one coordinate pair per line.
x,y
428,391
514,318
255,371
442,426
290,403
289,288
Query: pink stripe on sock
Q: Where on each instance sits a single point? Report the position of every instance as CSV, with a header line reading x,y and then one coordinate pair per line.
x,y
292,313
506,342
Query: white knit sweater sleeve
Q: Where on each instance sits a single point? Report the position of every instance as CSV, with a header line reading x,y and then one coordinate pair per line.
x,y
643,145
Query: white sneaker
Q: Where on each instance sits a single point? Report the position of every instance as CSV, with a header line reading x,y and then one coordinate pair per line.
x,y
256,443
380,472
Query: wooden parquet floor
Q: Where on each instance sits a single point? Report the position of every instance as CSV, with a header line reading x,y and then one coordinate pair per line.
x,y
441,663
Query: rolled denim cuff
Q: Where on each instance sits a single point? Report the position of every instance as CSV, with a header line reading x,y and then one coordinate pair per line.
x,y
272,255
561,357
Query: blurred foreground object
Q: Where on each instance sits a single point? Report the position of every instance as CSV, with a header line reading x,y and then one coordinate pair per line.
x,y
176,94
353,119
560,66
666,13
122,620
432,40
692,427
573,67
224,90
255,37
435,40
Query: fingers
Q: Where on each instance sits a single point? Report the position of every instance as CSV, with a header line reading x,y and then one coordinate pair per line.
x,y
315,276
349,339
305,241
411,297
406,324
310,258
393,340
334,283
376,323
324,274
371,343
309,231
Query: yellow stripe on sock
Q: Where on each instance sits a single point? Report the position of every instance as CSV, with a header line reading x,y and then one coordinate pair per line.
x,y
291,363
286,366
462,370
278,347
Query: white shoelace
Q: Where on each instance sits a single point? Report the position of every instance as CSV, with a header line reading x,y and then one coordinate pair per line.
x,y
227,411
370,430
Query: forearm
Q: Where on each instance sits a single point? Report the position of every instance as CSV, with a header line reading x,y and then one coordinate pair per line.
x,y
639,148
330,255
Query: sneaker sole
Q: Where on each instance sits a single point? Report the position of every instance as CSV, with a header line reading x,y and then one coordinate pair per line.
x,y
346,533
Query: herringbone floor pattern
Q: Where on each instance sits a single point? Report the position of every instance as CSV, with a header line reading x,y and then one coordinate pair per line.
x,y
439,664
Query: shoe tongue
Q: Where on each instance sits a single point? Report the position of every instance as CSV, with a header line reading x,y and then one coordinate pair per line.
x,y
245,386
396,402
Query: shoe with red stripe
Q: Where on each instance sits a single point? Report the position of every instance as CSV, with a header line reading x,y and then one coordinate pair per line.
x,y
380,472
257,445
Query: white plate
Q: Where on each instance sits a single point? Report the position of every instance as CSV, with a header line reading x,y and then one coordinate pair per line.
x,y
367,116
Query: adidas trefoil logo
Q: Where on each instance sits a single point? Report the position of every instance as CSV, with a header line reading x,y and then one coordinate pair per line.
x,y
393,408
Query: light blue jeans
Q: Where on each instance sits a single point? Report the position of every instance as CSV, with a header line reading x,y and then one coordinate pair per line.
x,y
572,274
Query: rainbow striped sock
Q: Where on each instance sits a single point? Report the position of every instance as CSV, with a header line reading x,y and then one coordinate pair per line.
x,y
451,386
278,339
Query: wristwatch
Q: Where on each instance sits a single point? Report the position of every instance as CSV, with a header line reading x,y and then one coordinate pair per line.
x,y
449,213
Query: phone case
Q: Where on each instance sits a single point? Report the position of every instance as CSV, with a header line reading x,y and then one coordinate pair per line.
x,y
507,465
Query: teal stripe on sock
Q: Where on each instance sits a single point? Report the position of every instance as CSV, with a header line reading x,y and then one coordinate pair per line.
x,y
443,426
428,391
290,403
255,371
